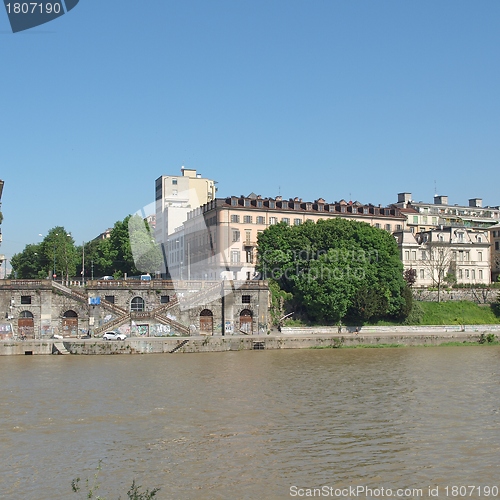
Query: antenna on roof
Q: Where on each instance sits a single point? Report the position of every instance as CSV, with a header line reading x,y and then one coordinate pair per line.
x,y
435,188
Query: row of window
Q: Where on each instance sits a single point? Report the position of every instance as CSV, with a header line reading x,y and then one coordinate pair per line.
x,y
462,273
248,219
460,256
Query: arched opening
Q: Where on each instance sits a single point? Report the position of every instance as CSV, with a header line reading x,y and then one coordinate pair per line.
x,y
246,322
137,304
26,325
70,324
206,322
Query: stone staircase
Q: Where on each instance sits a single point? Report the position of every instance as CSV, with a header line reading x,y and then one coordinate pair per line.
x,y
201,297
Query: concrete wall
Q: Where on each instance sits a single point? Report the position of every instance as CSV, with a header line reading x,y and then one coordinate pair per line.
x,y
237,343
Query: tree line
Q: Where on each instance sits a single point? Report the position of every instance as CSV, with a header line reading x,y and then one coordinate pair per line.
x,y
130,249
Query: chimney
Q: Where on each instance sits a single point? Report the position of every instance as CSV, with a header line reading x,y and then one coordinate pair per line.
x,y
476,202
404,197
440,200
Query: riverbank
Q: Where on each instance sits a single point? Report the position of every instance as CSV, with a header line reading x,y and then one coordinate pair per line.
x,y
290,338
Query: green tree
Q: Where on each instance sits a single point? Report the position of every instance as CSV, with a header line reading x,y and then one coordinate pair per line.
x,y
26,264
146,253
335,269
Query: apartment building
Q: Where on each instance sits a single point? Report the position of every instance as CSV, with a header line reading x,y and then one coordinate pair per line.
x,y
219,239
175,196
426,216
460,251
495,252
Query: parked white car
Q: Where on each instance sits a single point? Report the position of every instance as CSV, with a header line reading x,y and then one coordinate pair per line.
x,y
114,336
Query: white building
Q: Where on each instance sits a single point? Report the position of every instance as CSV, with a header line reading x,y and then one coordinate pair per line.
x,y
425,216
450,251
175,196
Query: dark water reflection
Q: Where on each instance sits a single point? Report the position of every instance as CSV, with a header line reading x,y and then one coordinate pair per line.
x,y
251,424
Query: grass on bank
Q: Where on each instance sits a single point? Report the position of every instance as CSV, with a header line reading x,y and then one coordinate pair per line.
x,y
437,313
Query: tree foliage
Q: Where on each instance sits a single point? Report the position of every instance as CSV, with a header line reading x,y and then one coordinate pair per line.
x,y
335,269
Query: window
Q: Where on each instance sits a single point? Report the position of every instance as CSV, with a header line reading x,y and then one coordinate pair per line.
x,y
460,274
164,299
467,255
109,298
25,299
424,255
434,221
297,222
235,256
414,255
261,220
479,256
377,225
273,220
365,210
388,227
137,304
174,182
479,239
286,220
422,273
407,255
466,273
496,245
473,274
245,299
399,227
424,219
234,202
247,219
415,219
272,204
236,235
249,256
246,203
480,274
460,237
259,203
235,218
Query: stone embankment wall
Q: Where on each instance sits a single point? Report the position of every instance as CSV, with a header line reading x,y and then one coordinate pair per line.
x,y
298,339
478,295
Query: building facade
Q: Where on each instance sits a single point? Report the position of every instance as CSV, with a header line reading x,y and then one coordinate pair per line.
x,y
156,308
495,252
175,196
219,239
426,216
446,255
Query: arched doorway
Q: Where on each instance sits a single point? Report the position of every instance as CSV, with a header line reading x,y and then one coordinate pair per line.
x,y
70,324
137,304
246,322
26,325
206,322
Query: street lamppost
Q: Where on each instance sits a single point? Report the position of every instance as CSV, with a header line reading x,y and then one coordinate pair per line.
x,y
54,273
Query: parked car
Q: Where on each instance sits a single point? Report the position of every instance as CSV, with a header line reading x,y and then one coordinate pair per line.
x,y
107,278
114,336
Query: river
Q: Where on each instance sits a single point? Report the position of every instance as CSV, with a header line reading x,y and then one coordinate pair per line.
x,y
252,424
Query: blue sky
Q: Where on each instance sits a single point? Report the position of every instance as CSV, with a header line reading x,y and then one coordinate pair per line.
x,y
357,99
